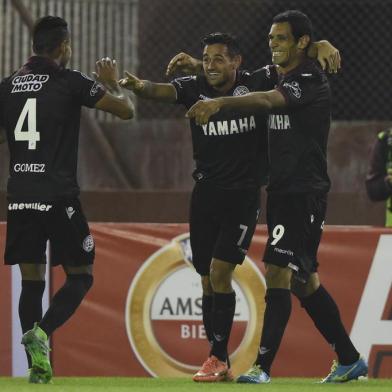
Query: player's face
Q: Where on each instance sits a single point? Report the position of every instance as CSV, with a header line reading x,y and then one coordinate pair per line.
x,y
284,48
219,68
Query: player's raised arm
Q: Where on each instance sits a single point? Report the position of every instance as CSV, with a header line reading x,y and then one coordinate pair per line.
x,y
185,64
201,111
162,92
114,101
327,55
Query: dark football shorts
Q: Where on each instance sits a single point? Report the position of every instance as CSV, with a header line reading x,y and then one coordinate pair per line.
x,y
222,223
295,225
31,225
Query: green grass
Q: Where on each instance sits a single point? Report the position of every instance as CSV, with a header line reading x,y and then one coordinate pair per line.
x,y
109,384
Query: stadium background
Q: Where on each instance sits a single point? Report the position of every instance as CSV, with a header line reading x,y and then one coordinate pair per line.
x,y
139,171
146,163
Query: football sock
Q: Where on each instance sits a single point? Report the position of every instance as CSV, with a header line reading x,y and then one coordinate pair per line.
x,y
324,312
206,306
30,305
222,320
276,317
66,301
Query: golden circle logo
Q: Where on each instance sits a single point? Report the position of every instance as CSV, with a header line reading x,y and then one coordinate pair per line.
x,y
164,318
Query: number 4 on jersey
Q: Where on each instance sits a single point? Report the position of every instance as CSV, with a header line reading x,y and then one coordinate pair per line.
x,y
31,135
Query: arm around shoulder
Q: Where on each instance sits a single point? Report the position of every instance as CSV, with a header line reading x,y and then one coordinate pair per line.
x,y
259,100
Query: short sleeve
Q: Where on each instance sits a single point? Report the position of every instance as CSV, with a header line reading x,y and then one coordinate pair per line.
x,y
86,90
300,91
185,88
263,79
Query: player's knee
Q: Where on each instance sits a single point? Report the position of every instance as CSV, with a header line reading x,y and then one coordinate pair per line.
x,y
80,282
298,289
206,285
278,277
221,279
33,272
305,290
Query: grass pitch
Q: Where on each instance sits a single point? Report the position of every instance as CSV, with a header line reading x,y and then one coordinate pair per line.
x,y
112,384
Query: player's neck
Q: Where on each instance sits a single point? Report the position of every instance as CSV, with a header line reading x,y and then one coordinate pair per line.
x,y
222,90
49,58
293,64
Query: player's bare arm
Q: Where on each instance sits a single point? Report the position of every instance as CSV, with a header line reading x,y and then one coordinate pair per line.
x,y
201,111
114,101
327,55
185,64
161,92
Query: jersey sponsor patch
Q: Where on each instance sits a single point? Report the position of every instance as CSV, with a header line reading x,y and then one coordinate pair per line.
x,y
88,243
95,89
229,127
284,251
240,90
28,83
294,88
279,121
29,206
70,211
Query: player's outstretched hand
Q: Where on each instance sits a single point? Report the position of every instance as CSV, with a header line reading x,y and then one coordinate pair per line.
x,y
183,63
329,57
131,82
106,71
201,111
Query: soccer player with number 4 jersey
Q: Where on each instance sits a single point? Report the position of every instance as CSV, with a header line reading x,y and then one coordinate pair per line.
x,y
40,108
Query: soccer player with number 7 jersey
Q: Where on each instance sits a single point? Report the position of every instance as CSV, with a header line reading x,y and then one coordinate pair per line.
x,y
299,119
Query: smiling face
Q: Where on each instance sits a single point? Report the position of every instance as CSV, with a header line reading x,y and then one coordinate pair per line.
x,y
286,51
219,67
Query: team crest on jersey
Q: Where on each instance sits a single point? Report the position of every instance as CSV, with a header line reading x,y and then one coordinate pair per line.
x,y
27,83
88,243
95,88
294,87
240,90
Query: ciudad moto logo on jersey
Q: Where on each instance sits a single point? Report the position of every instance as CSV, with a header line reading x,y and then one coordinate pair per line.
x,y
27,83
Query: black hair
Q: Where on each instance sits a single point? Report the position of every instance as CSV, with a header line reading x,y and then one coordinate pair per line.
x,y
227,39
48,34
300,23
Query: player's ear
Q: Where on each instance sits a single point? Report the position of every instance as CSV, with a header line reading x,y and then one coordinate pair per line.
x,y
303,42
237,61
63,48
